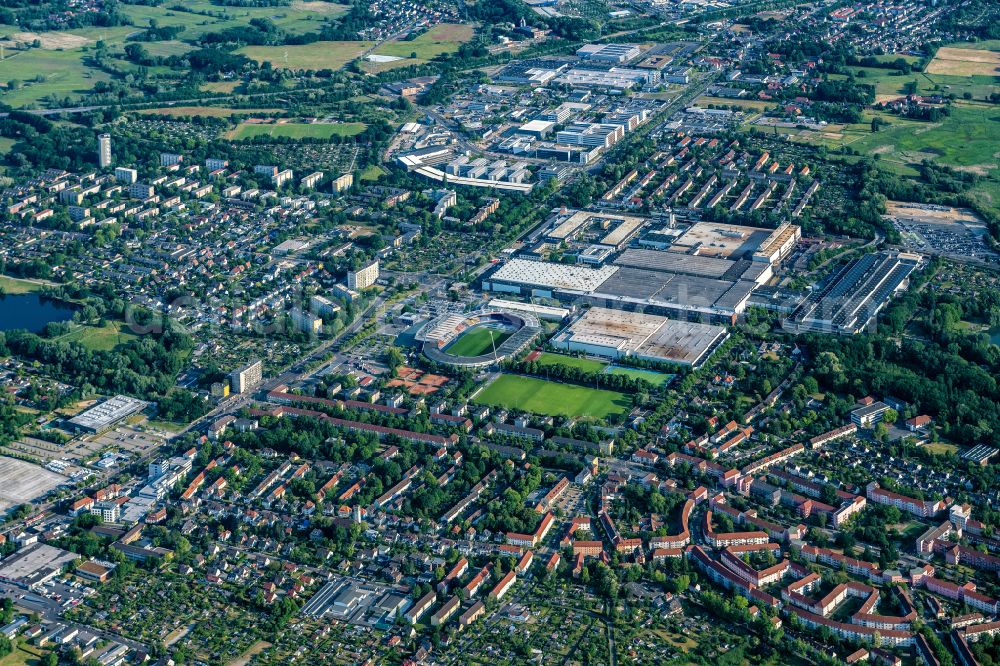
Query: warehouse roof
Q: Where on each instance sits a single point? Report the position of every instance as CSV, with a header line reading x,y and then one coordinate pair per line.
x,y
553,276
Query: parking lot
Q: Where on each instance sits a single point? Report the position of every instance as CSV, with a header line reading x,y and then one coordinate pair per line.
x,y
24,482
951,232
132,439
573,502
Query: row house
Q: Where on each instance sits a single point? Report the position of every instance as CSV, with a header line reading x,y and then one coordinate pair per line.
x,y
965,593
849,564
833,435
854,632
721,540
725,578
682,538
758,577
773,459
917,507
501,588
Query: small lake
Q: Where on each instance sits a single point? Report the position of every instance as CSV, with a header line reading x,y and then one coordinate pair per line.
x,y
31,312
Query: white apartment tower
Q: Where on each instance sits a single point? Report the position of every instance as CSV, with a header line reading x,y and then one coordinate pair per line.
x,y
364,277
104,150
245,378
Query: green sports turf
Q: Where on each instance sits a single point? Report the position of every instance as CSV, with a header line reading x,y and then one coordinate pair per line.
x,y
552,398
585,364
476,341
651,376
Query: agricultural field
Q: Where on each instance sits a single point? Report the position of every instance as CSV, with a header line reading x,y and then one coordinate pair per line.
x,y
477,341
318,55
552,398
295,130
965,62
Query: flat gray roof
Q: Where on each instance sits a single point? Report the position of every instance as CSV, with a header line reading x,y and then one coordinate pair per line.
x,y
644,335
674,262
723,240
675,289
35,563
108,412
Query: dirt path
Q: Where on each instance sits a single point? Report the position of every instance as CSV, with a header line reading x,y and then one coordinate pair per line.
x,y
252,652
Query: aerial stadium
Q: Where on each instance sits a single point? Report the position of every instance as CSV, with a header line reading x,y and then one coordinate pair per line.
x,y
477,339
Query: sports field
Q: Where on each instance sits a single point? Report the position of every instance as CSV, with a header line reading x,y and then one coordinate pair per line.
x,y
651,376
296,130
552,398
477,341
585,364
318,55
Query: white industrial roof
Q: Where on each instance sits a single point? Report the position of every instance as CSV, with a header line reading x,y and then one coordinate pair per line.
x,y
108,412
553,276
537,126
